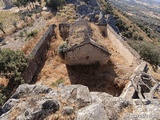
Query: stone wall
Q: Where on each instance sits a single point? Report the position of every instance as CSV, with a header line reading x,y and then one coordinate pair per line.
x,y
86,54
129,91
125,50
103,30
64,30
38,56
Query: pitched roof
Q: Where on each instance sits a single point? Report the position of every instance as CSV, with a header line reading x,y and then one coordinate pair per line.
x,y
92,42
79,32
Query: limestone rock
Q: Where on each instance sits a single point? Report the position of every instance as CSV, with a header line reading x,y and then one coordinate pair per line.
x,y
92,112
27,90
8,105
37,102
93,3
78,94
68,110
83,9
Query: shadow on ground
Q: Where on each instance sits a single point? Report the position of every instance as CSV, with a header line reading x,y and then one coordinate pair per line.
x,y
97,78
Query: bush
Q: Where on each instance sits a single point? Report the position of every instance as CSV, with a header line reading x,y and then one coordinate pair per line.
x,y
148,51
32,33
61,49
12,65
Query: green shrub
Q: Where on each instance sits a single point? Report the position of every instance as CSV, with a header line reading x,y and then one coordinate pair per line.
x,y
12,65
59,81
148,51
32,34
61,49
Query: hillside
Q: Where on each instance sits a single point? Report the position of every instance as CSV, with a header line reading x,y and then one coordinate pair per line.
x,y
143,13
120,84
141,34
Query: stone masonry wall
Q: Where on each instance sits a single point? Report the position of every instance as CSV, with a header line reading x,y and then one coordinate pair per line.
x,y
38,56
125,50
79,56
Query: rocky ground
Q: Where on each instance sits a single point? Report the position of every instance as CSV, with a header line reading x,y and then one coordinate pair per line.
x,y
74,102
110,78
54,98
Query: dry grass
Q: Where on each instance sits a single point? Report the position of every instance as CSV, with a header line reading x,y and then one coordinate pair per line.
x,y
54,67
27,48
3,81
7,18
67,14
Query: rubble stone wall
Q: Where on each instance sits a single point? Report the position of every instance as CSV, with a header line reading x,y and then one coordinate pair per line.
x,y
38,56
125,50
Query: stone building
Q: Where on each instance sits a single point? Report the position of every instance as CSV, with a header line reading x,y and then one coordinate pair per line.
x,y
102,24
82,49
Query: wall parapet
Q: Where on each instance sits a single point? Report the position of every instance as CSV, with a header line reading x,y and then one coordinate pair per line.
x,y
37,56
125,50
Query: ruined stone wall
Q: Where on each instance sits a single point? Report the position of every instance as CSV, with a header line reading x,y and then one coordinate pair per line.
x,y
103,30
125,50
64,30
85,55
38,56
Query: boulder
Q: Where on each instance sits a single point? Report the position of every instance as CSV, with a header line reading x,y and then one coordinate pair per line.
x,y
38,102
77,94
27,90
41,109
93,3
83,9
8,105
94,111
68,110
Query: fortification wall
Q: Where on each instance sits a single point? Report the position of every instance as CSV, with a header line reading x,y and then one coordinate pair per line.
x,y
38,56
125,50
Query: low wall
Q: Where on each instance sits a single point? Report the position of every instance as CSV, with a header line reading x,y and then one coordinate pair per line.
x,y
125,50
38,56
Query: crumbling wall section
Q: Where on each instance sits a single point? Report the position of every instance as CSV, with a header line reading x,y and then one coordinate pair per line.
x,y
64,30
38,56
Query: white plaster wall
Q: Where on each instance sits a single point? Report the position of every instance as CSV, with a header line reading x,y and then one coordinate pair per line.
x,y
79,56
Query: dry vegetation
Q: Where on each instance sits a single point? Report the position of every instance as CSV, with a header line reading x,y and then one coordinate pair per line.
x,y
67,14
129,23
54,68
7,18
112,78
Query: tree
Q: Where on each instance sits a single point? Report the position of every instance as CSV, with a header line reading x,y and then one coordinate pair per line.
x,y
12,65
2,28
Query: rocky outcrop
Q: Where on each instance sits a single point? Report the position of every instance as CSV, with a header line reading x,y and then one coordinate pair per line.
x,y
38,102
